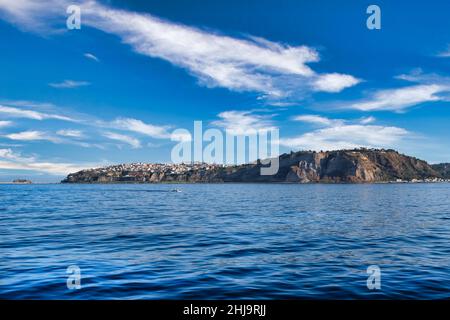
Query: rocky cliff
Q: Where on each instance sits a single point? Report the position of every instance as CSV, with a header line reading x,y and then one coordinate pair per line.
x,y
344,166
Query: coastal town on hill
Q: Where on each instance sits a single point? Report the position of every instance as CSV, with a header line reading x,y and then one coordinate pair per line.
x,y
148,172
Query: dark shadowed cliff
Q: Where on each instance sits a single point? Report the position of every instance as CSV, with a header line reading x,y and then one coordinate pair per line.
x,y
443,169
346,166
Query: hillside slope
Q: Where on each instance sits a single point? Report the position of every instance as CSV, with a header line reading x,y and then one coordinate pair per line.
x,y
443,169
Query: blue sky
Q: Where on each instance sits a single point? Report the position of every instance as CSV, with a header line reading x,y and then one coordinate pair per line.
x,y
113,91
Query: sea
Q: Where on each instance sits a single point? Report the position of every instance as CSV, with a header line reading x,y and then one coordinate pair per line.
x,y
225,241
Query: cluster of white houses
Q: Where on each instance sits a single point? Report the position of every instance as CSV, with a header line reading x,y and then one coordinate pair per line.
x,y
149,172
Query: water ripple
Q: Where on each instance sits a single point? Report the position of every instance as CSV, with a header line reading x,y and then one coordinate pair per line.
x,y
229,241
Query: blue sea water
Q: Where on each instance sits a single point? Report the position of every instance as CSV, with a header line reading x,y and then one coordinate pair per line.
x,y
225,241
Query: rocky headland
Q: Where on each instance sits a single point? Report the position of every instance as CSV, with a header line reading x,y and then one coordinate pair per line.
x,y
343,166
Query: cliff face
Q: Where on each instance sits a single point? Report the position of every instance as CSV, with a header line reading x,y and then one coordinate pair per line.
x,y
341,166
352,166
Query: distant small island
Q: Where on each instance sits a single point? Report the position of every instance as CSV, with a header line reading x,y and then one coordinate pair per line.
x,y
343,166
22,181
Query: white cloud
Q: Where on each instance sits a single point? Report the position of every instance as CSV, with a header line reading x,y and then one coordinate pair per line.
x,y
47,167
133,142
315,119
7,154
30,15
61,137
243,122
70,133
274,70
340,134
91,56
400,99
367,120
28,104
182,135
445,53
30,114
347,137
30,136
75,136
334,82
217,60
5,124
139,126
13,161
69,84
252,64
426,88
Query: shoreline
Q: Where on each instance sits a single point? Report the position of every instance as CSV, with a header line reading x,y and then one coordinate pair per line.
x,y
231,183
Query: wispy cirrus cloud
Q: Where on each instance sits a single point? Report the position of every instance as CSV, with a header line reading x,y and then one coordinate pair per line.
x,y
401,98
11,160
274,70
319,120
16,109
445,53
91,57
367,120
31,135
69,137
7,154
70,133
77,136
340,134
34,16
242,64
244,122
69,84
138,126
133,142
347,137
15,112
5,124
27,104
424,88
